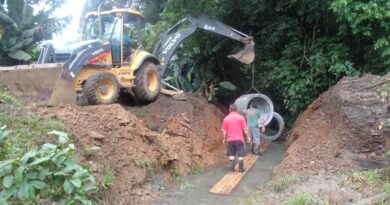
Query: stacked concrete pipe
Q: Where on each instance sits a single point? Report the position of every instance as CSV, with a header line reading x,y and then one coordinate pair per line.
x,y
266,108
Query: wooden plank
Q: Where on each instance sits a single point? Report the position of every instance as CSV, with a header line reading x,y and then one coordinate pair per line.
x,y
238,175
228,177
247,166
231,179
235,175
221,183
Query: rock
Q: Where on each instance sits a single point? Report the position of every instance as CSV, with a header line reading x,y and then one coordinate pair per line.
x,y
95,135
124,122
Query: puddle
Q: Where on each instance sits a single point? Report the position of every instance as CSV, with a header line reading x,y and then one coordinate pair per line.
x,y
194,190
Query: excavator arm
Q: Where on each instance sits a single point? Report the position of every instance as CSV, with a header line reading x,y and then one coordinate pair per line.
x,y
169,40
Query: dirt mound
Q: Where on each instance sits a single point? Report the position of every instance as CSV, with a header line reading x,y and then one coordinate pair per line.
x,y
346,128
173,138
193,119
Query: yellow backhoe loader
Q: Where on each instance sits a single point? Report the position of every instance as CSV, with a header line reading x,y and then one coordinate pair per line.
x,y
108,60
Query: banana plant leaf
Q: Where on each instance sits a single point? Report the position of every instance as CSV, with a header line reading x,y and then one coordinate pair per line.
x,y
227,85
19,55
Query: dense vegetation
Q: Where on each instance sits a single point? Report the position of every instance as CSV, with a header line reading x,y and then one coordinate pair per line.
x,y
302,47
37,163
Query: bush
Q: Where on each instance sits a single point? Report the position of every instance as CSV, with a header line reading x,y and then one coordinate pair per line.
x,y
47,173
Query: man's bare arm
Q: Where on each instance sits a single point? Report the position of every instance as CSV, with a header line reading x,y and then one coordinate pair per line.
x,y
248,139
262,124
224,136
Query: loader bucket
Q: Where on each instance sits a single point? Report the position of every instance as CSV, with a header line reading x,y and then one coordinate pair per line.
x,y
44,84
247,54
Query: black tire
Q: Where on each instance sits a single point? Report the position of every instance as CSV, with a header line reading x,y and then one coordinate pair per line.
x,y
147,83
271,137
95,89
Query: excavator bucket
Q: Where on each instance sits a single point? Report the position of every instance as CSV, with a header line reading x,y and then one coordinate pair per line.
x,y
247,54
44,84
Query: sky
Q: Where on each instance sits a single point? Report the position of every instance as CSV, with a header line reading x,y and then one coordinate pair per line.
x,y
71,8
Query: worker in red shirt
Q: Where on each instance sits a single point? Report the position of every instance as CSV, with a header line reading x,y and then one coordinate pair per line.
x,y
233,129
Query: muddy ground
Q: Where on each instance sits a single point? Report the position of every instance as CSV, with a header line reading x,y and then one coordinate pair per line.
x,y
145,146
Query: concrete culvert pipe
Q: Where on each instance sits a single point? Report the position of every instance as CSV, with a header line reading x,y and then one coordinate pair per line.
x,y
263,103
274,129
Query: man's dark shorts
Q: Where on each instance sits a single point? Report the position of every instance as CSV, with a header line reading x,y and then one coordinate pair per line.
x,y
234,147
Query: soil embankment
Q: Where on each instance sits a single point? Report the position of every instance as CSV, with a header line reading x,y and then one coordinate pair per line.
x,y
333,145
167,138
346,128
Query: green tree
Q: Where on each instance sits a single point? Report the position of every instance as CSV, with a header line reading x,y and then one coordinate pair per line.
x,y
368,22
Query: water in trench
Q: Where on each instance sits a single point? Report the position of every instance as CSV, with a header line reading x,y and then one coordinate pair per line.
x,y
194,190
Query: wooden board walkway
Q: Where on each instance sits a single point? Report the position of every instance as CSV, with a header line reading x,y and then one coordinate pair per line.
x,y
226,185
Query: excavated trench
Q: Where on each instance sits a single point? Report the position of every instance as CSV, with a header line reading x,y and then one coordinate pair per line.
x,y
194,189
155,151
152,144
346,129
147,147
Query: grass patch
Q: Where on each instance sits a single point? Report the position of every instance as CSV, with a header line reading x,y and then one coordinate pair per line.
x,y
177,175
148,165
185,185
107,176
27,129
252,199
304,198
386,188
196,170
6,97
282,183
360,180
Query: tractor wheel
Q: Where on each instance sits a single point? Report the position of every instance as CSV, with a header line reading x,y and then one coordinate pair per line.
x,y
101,88
147,83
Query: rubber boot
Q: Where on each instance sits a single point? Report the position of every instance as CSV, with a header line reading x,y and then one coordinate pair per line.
x,y
257,150
241,165
231,165
252,149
